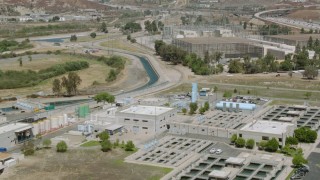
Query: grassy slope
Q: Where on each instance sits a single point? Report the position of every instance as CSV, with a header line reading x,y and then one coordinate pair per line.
x,y
97,71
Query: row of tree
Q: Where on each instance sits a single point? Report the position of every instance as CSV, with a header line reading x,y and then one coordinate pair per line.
x,y
240,142
199,66
153,27
106,144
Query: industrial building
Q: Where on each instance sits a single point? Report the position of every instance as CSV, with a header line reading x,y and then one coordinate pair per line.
x,y
147,119
231,47
266,130
13,134
292,40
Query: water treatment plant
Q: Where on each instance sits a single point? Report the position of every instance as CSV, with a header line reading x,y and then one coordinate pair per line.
x,y
159,90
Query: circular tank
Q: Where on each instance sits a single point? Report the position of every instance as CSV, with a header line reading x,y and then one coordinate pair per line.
x,y
35,129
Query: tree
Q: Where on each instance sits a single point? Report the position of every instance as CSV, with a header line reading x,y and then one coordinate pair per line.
x,y
233,138
28,148
306,135
106,145
235,91
104,97
30,57
71,83
112,75
291,141
193,108
262,144
250,144
20,61
73,38
104,136
240,142
184,110
93,35
130,146
297,49
215,89
217,56
302,31
272,145
298,160
310,72
133,40
128,37
245,25
310,43
157,45
202,110
62,146
307,95
56,86
103,27
251,24
206,106
235,66
46,143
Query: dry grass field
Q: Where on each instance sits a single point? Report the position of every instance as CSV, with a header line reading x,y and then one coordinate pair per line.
x,y
97,71
82,164
306,14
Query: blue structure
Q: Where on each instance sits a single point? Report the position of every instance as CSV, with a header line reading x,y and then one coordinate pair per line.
x,y
242,106
194,94
86,128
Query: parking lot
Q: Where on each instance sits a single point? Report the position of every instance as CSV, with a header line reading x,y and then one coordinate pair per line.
x,y
314,162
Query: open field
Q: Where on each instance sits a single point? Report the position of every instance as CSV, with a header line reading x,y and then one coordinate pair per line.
x,y
267,80
82,164
119,44
305,14
97,71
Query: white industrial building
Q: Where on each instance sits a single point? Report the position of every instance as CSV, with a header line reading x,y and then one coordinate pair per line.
x,y
146,119
13,134
266,130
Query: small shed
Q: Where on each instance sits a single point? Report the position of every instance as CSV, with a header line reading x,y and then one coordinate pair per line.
x,y
114,129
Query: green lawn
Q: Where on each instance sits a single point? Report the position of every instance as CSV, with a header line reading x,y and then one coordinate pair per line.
x,y
90,144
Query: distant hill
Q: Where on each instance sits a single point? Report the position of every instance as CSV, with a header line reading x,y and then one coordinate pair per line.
x,y
57,6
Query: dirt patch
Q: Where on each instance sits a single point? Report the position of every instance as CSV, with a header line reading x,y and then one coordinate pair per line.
x,y
81,164
305,15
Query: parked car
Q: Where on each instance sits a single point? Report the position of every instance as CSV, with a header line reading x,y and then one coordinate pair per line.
x,y
218,151
212,151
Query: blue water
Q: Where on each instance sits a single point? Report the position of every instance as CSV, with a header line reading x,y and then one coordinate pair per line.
x,y
53,40
8,109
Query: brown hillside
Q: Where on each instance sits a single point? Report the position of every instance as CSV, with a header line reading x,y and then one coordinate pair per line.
x,y
54,6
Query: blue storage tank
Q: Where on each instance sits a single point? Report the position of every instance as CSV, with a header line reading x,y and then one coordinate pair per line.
x,y
2,149
242,106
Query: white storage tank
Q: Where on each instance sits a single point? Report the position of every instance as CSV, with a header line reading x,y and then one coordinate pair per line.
x,y
60,121
47,125
42,127
35,129
54,123
65,119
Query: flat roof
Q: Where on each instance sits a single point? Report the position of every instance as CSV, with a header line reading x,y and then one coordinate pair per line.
x,y
4,156
296,37
235,160
271,127
219,174
15,127
214,40
146,110
113,127
294,112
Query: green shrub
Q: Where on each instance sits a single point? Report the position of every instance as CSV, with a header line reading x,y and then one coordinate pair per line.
x,y
62,146
240,142
250,144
